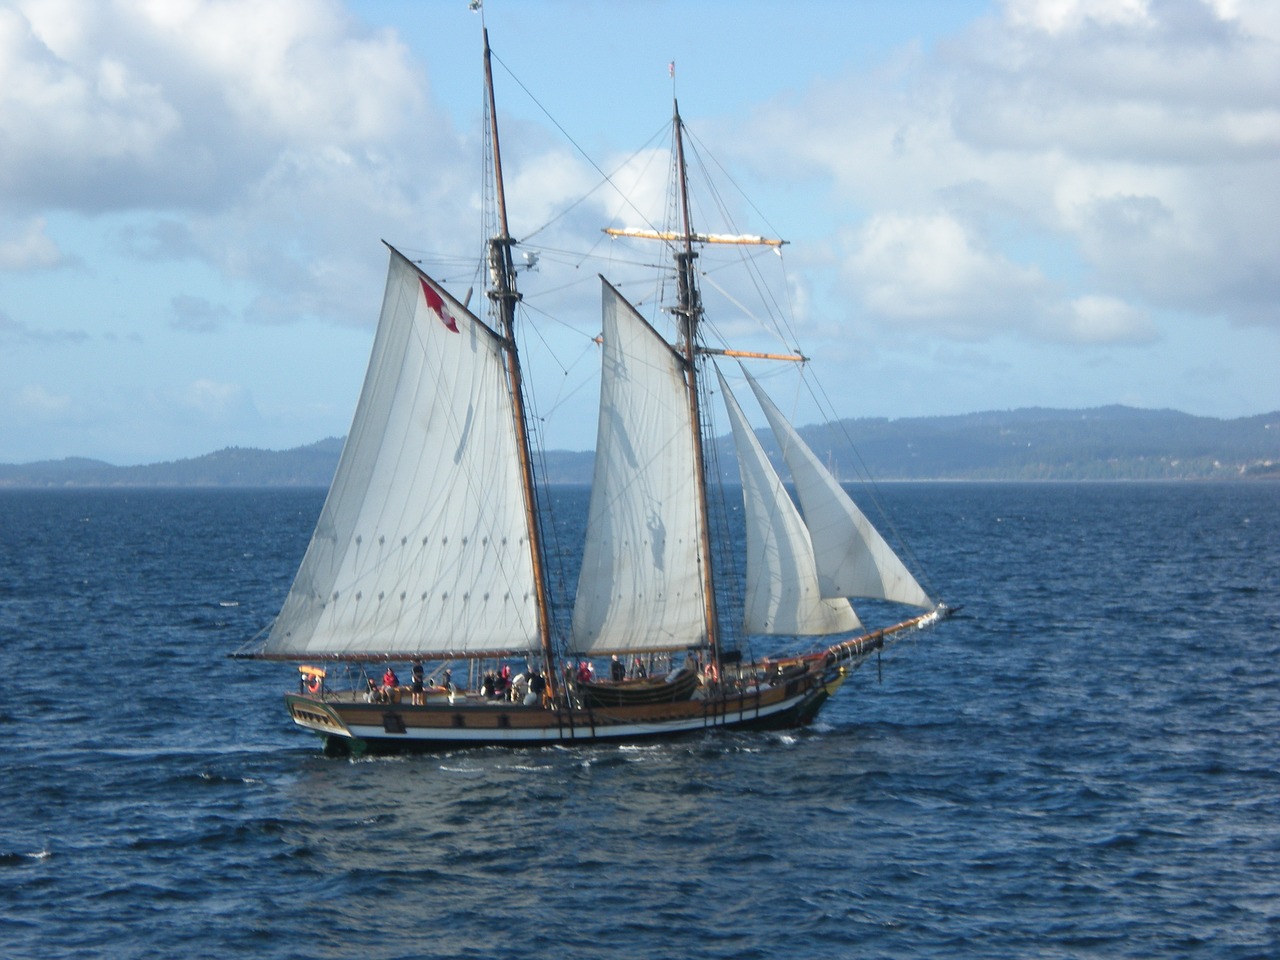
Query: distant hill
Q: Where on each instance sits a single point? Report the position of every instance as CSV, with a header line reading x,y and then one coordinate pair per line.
x,y
1106,443
309,466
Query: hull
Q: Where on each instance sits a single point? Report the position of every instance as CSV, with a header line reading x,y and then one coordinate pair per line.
x,y
355,727
768,695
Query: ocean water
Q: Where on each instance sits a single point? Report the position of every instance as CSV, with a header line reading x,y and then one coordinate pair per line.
x,y
1084,763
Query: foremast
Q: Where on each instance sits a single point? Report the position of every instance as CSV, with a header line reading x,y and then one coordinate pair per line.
x,y
689,311
505,296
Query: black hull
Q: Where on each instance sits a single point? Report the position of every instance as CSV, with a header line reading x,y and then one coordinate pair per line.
x,y
787,695
802,715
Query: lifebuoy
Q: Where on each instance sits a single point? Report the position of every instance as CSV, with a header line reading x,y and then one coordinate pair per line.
x,y
313,684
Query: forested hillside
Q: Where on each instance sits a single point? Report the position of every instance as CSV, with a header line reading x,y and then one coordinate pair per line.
x,y
1107,443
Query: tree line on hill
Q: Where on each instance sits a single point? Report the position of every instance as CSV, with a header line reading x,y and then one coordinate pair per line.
x,y
1107,443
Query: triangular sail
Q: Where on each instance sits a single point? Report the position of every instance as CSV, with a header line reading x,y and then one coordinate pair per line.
x,y
853,559
782,595
422,546
640,586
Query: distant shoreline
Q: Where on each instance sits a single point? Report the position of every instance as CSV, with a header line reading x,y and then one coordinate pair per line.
x,y
6,488
1107,443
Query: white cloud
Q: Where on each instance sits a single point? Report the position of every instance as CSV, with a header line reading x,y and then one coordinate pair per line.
x,y
1104,320
127,103
1125,152
1057,16
218,402
639,196
33,250
929,272
273,143
42,403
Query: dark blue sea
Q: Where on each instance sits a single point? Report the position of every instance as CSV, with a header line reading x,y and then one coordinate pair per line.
x,y
1084,763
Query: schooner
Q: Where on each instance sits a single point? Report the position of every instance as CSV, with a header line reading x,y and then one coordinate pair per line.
x,y
429,551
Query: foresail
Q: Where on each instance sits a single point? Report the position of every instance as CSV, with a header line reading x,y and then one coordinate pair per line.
x,y
853,559
782,592
422,545
640,587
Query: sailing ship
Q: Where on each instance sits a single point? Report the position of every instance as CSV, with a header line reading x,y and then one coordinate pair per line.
x,y
429,550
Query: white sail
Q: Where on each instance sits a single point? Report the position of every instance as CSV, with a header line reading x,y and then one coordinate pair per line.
x,y
853,558
641,586
422,546
782,595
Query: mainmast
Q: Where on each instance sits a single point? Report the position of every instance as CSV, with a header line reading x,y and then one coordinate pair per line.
x,y
504,295
689,310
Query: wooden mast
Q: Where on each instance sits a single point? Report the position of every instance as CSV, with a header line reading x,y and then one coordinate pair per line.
x,y
504,295
689,309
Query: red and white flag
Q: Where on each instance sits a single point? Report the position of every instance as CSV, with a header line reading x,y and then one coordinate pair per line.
x,y
436,303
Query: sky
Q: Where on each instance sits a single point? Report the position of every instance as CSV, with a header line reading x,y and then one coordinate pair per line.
x,y
988,205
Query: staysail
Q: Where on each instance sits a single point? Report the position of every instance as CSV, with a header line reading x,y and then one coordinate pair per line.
x,y
782,590
640,587
422,547
853,559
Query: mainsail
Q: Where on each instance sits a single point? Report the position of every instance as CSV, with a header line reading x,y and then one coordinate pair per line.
x,y
422,546
782,595
640,587
853,559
